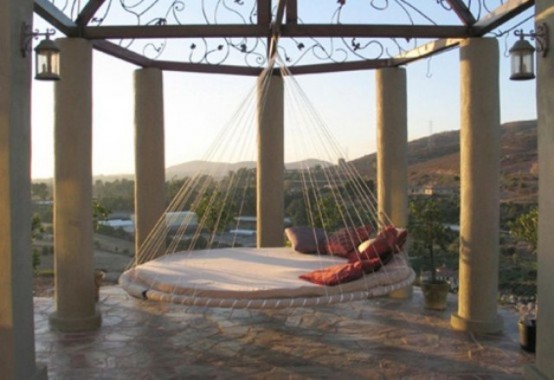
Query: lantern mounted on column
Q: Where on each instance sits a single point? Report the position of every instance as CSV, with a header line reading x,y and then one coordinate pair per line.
x,y
522,53
47,60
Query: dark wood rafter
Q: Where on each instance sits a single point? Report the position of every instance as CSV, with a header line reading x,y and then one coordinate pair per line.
x,y
209,69
425,51
339,67
264,13
88,12
276,28
55,17
462,11
500,15
285,31
374,31
174,31
264,19
292,11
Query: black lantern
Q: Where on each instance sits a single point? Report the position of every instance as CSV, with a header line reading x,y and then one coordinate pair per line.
x,y
522,54
47,60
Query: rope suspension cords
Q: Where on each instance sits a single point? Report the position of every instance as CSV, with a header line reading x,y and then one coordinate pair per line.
x,y
335,247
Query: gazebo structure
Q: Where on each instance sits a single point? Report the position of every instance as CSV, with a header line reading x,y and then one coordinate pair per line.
x,y
242,47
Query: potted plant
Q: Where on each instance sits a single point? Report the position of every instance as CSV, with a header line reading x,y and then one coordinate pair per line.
x,y
428,229
525,228
527,326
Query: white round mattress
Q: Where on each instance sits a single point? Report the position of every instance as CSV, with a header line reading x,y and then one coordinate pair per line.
x,y
229,276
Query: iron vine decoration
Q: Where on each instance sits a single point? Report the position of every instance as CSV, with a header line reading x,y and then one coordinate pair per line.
x,y
252,52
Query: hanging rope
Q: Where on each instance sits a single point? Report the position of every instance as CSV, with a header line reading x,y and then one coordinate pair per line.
x,y
215,200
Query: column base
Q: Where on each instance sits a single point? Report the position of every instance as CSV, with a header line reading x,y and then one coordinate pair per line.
x,y
531,372
491,327
75,325
41,372
402,294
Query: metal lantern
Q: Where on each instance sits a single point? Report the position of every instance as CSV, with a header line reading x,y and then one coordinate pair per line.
x,y
47,60
522,56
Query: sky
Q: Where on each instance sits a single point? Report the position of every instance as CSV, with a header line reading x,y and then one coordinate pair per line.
x,y
198,106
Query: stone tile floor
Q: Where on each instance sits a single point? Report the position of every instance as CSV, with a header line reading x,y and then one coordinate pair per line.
x,y
380,338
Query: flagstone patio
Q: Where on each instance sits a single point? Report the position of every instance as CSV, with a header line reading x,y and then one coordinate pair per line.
x,y
380,338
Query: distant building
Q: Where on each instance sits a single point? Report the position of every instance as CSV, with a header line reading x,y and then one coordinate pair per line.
x,y
434,190
246,225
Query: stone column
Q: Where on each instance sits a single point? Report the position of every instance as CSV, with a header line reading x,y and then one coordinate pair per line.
x,y
271,162
73,229
17,342
480,181
149,160
392,146
392,152
544,366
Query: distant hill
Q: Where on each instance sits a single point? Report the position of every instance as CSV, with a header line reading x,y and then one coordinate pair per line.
x,y
220,169
432,161
435,161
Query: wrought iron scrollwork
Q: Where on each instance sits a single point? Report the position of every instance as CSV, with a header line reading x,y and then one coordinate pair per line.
x,y
251,51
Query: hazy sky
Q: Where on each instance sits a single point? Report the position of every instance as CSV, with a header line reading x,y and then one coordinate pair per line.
x,y
198,106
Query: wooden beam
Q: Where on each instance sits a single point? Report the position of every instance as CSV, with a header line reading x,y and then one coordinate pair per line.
x,y
88,12
425,51
264,13
276,28
292,12
207,68
497,17
51,14
462,11
174,31
279,16
339,67
374,31
253,31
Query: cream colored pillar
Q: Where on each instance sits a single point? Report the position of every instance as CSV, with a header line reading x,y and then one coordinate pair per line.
x,y
544,366
73,229
149,158
17,342
392,146
392,152
480,199
271,162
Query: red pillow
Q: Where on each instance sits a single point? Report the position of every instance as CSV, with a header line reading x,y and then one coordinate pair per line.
x,y
401,236
388,240
342,273
342,242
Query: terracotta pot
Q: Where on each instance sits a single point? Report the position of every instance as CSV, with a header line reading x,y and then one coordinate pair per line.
x,y
527,335
435,294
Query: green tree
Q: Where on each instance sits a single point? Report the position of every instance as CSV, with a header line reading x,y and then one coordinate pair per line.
x,y
214,211
99,213
36,232
428,229
40,190
525,227
327,214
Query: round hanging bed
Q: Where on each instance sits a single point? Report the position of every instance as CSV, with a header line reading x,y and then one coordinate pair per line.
x,y
254,278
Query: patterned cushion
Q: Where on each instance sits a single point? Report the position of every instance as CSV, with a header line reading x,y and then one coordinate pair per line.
x,y
345,240
306,239
389,240
342,273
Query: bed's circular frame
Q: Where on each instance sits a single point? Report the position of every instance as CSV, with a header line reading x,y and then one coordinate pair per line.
x,y
254,278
